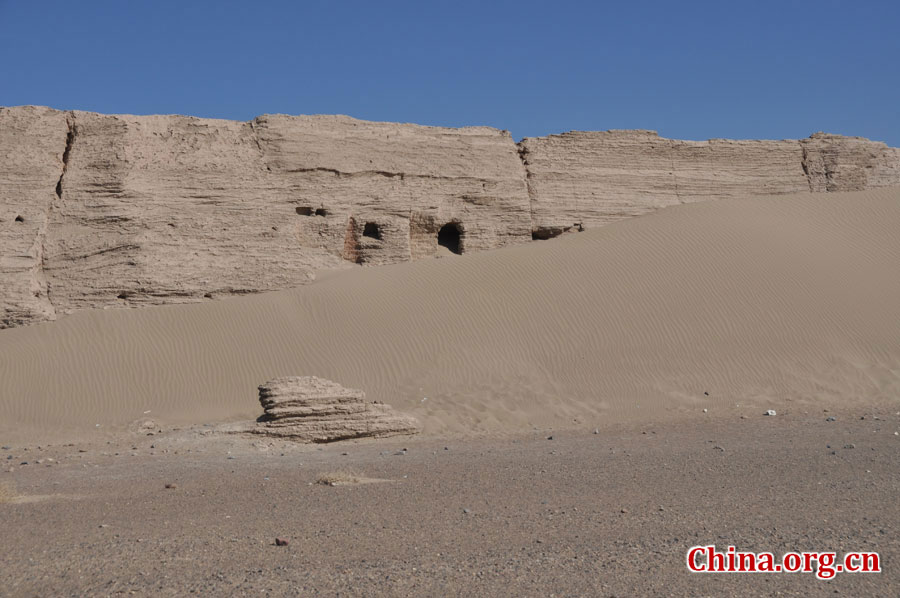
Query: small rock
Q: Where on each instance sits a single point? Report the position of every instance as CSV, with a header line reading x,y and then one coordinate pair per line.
x,y
596,430
705,410
467,511
849,446
770,412
104,525
6,448
624,511
281,542
171,486
830,418
549,437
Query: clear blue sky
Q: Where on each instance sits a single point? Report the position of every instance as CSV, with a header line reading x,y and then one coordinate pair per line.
x,y
690,70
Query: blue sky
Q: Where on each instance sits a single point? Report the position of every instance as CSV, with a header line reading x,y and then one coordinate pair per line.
x,y
694,70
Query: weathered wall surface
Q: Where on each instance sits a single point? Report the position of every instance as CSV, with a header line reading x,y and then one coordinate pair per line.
x,y
32,143
161,209
592,178
407,180
838,163
588,179
105,210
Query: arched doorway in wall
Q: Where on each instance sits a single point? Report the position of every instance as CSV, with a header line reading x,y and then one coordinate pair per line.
x,y
450,237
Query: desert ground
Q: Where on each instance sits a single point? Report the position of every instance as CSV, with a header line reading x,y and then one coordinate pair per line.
x,y
583,514
591,406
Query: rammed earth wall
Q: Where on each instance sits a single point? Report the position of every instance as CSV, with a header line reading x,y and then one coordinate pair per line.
x,y
113,210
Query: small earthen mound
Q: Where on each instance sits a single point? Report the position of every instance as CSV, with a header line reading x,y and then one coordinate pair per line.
x,y
312,409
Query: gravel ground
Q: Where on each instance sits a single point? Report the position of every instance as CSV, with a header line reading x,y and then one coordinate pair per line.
x,y
582,514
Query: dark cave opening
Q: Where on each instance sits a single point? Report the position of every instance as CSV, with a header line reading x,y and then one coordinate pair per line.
x,y
371,230
450,236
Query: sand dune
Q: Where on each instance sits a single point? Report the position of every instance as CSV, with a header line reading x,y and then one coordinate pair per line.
x,y
787,301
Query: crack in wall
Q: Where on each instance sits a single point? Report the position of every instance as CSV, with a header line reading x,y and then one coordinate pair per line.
x,y
382,173
40,282
522,151
70,139
804,164
255,132
675,182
